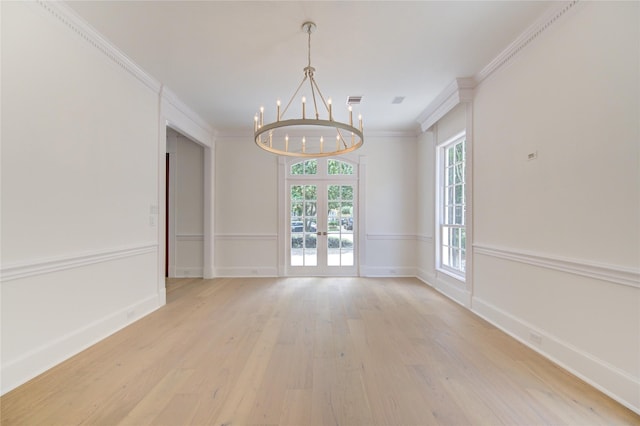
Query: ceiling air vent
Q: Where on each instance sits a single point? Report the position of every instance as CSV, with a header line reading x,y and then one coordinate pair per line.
x,y
354,100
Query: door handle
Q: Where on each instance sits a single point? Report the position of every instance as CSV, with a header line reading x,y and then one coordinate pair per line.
x,y
321,233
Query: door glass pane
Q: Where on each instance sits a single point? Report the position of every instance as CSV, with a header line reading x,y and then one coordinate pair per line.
x,y
304,219
340,242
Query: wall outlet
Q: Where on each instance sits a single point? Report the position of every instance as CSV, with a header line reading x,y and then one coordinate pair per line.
x,y
535,337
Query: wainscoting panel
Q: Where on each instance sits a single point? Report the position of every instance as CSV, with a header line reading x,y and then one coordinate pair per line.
x,y
246,255
583,316
50,316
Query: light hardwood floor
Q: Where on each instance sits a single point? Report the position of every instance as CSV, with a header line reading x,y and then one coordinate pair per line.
x,y
309,351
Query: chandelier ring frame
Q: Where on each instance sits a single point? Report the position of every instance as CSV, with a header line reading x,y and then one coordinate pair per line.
x,y
308,122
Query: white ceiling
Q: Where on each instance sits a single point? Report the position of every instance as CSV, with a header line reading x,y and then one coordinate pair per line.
x,y
225,59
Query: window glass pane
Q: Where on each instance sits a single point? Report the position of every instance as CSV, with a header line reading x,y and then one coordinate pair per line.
x,y
310,192
458,150
336,167
334,208
347,192
296,208
297,192
450,177
459,194
297,169
449,215
310,208
333,192
347,209
455,258
459,219
449,156
449,195
459,168
308,167
310,224
455,237
309,241
311,167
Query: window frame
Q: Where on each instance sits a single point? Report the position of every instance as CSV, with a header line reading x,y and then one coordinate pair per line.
x,y
442,207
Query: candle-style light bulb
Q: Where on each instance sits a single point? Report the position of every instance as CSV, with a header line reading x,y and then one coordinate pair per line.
x,y
278,113
303,144
338,142
255,122
360,120
286,143
350,115
330,112
304,103
321,143
261,116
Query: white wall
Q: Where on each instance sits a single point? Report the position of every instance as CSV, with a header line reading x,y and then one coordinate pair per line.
x,y
186,205
247,207
425,208
79,193
450,125
390,205
557,238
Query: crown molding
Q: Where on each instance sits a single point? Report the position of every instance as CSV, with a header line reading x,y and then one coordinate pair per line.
x,y
170,97
538,27
459,90
78,25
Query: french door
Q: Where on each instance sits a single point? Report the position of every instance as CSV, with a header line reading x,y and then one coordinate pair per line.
x,y
323,226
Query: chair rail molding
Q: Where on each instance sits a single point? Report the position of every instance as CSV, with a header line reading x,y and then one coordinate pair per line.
x,y
71,261
392,237
247,237
610,273
189,237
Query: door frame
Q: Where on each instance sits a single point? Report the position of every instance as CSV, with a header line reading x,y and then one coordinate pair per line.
x,y
284,225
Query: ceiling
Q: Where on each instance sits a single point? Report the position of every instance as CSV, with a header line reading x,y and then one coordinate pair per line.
x,y
225,59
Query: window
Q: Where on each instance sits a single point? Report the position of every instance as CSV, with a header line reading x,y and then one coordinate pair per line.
x,y
336,167
308,167
452,232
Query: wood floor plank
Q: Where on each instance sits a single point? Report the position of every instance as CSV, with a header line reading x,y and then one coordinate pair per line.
x,y
309,351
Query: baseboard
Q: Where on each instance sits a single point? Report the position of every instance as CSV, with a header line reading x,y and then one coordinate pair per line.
x,y
608,379
454,292
39,360
189,272
426,277
387,271
244,272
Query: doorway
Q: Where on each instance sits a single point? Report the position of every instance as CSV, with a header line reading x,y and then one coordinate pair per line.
x,y
321,207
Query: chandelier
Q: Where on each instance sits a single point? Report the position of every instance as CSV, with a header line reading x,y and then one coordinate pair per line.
x,y
319,135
